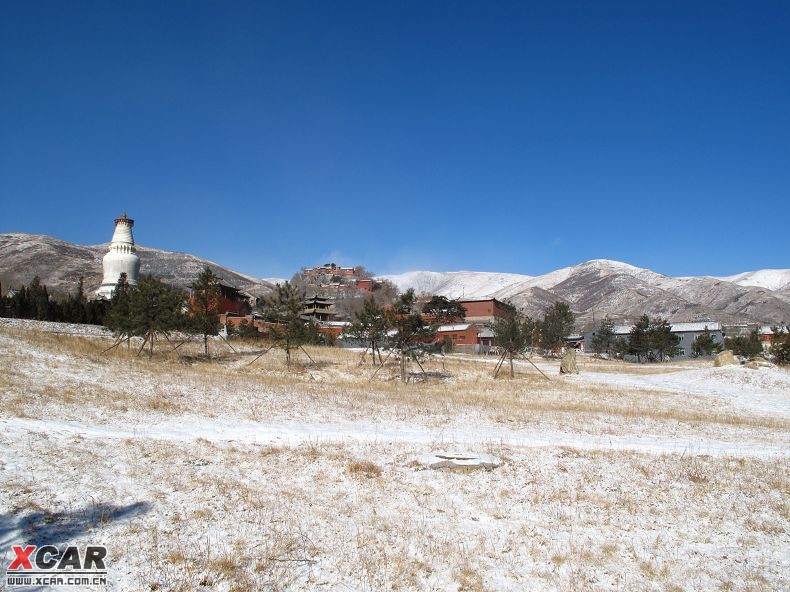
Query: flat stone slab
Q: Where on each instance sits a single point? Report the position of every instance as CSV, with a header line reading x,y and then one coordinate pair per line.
x,y
459,461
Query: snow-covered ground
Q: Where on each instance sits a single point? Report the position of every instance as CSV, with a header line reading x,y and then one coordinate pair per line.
x,y
227,475
763,389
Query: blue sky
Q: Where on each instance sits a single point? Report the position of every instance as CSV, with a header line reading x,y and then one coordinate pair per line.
x,y
518,137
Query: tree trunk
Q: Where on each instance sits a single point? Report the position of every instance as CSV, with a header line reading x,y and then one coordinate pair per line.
x,y
403,367
205,343
151,346
511,365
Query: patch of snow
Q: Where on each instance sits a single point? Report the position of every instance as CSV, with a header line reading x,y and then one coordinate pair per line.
x,y
455,284
771,279
763,389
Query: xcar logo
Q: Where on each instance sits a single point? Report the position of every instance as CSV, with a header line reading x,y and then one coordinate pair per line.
x,y
49,566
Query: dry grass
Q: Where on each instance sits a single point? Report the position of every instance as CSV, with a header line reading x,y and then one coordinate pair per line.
x,y
119,381
306,517
364,468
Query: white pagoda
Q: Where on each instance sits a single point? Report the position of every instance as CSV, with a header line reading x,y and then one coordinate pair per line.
x,y
121,258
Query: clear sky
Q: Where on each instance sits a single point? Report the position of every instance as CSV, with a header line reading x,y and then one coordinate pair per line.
x,y
492,136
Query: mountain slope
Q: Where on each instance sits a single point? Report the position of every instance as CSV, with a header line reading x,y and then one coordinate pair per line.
x,y
60,265
772,279
601,287
455,284
592,289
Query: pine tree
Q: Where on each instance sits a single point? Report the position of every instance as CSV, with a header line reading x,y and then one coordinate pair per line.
x,y
638,339
369,327
283,308
557,323
704,345
604,339
444,310
204,305
118,317
780,344
155,308
745,346
513,335
37,301
75,305
411,335
663,343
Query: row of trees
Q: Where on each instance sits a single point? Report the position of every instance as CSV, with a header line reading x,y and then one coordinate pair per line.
x,y
36,303
412,333
652,339
648,340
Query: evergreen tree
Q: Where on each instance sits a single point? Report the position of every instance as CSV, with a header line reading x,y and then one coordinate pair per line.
x,y
639,339
75,305
513,335
37,301
412,336
604,339
246,330
704,345
557,323
369,327
118,317
204,305
283,308
745,346
662,342
620,347
780,344
155,308
444,310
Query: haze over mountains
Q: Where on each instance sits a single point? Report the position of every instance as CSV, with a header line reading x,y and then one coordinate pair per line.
x,y
592,289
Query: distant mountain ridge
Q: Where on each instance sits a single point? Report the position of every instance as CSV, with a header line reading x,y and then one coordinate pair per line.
x,y
592,289
601,287
455,284
60,265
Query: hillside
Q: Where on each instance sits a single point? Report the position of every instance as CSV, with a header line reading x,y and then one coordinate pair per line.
x,y
592,289
455,284
60,264
772,279
601,287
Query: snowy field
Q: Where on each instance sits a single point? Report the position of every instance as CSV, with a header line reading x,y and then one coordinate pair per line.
x,y
231,475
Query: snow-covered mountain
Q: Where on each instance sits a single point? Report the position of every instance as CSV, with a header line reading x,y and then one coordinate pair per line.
x,y
592,289
602,287
772,279
455,284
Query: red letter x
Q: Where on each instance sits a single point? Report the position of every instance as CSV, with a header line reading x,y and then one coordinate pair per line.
x,y
22,557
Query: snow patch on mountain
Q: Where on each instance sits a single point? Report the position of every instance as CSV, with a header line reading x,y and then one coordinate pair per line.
x,y
455,284
771,279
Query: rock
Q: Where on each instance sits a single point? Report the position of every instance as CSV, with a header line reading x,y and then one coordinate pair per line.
x,y
568,364
724,358
757,364
458,461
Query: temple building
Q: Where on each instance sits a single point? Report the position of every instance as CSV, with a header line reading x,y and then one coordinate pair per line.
x,y
121,258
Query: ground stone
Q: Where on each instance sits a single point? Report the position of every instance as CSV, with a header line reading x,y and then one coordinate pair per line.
x,y
459,461
757,364
725,358
568,364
